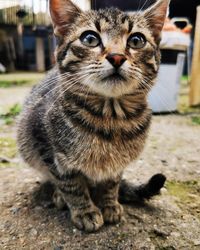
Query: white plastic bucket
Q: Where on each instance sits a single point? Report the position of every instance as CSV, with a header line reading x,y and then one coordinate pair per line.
x,y
164,95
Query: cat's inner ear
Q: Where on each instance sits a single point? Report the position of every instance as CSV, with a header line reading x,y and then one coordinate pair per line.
x,y
63,14
156,16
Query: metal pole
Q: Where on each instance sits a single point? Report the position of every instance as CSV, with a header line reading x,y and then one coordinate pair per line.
x,y
33,14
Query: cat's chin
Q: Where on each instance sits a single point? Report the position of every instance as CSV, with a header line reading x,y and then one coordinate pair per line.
x,y
114,78
112,88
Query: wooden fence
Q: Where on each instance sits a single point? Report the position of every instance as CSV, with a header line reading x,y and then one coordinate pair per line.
x,y
36,13
195,74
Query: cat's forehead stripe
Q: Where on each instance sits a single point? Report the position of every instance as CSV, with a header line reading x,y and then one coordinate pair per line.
x,y
130,26
97,25
101,25
114,20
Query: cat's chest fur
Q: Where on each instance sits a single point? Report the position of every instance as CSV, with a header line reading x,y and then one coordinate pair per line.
x,y
99,136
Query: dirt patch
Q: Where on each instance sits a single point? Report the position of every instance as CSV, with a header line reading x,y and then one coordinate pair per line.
x,y
30,221
170,221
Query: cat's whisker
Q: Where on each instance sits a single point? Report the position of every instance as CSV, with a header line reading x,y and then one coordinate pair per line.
x,y
65,25
58,78
62,84
146,1
58,85
71,84
52,80
47,86
57,98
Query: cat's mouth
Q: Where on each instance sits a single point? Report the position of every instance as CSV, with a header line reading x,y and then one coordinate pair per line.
x,y
114,77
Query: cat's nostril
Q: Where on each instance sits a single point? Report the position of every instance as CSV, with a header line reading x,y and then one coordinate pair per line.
x,y
122,60
116,59
111,60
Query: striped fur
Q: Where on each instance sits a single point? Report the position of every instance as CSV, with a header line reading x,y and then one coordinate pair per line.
x,y
82,126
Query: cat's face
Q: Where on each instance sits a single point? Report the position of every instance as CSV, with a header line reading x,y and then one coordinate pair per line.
x,y
111,52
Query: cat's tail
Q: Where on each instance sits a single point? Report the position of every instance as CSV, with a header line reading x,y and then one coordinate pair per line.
x,y
129,193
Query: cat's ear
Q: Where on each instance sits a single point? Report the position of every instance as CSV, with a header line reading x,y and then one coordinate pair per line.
x,y
63,14
156,15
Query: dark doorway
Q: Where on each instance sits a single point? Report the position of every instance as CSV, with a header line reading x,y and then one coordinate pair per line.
x,y
125,5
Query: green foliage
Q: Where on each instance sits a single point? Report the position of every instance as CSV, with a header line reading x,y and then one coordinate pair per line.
x,y
15,110
11,114
19,79
182,189
7,84
187,195
196,120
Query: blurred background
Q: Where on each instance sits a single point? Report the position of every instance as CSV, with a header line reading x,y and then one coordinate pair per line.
x,y
27,45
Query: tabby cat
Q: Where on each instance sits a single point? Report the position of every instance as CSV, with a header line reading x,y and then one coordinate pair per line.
x,y
89,118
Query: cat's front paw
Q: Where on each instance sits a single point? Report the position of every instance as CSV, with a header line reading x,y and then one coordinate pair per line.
x,y
89,221
112,214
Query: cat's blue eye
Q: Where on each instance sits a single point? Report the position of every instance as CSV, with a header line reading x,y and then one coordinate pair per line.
x,y
90,39
136,41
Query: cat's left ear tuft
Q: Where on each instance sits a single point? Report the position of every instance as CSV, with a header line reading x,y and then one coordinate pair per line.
x,y
156,16
63,14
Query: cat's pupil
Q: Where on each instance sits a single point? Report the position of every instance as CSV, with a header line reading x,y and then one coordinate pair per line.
x,y
136,40
90,39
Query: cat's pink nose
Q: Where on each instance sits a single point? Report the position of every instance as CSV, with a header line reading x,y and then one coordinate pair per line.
x,y
116,59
